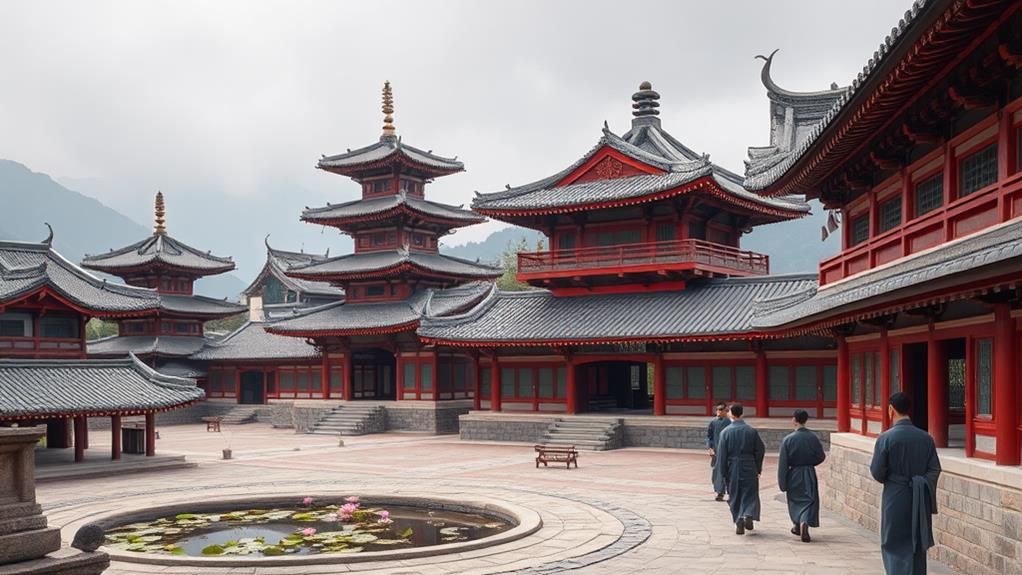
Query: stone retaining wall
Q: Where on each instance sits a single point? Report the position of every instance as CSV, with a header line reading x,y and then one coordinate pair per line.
x,y
978,526
694,437
504,428
438,418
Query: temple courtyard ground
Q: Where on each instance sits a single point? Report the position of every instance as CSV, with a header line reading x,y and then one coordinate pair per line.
x,y
624,511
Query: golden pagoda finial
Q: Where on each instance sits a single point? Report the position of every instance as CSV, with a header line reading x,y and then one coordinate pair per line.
x,y
388,109
160,228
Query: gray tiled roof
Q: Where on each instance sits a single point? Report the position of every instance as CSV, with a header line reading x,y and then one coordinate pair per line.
x,y
39,387
278,262
26,267
163,345
761,173
198,305
368,262
382,205
158,249
928,270
252,341
379,316
719,307
386,150
185,368
647,143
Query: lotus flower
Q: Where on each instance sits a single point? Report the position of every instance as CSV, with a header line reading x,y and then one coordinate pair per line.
x,y
307,501
349,508
385,514
353,500
308,532
345,516
330,517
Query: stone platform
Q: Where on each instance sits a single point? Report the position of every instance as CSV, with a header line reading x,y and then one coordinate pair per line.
x,y
59,464
671,431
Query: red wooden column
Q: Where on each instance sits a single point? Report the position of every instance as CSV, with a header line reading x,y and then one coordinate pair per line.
x,y
150,435
1005,392
495,383
349,376
79,439
659,386
570,387
115,437
936,389
885,378
324,378
762,384
476,381
844,374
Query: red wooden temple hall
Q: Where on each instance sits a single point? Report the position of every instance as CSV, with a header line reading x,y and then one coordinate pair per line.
x,y
45,378
166,337
395,276
645,267
921,163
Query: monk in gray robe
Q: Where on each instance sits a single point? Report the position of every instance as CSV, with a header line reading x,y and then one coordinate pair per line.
x,y
905,461
717,424
740,453
801,451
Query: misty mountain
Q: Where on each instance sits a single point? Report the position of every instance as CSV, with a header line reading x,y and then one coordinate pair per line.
x,y
81,224
490,249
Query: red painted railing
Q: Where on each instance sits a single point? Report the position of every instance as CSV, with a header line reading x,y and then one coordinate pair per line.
x,y
688,253
16,346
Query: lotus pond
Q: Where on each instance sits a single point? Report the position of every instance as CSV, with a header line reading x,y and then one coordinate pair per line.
x,y
309,528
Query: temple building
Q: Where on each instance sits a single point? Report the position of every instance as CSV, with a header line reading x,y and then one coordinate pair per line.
x,y
166,337
921,163
395,276
645,269
45,378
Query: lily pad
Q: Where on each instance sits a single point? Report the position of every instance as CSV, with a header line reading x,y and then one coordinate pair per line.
x,y
213,550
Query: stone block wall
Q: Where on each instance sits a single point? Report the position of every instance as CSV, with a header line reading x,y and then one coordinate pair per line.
x,y
438,419
483,428
304,417
978,526
640,434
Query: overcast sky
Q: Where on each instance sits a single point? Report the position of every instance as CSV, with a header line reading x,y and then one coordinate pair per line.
x,y
226,106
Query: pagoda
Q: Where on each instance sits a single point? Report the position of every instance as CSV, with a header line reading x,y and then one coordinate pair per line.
x,y
170,267
395,276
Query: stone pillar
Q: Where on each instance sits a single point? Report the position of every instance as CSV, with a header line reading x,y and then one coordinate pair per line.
x,y
571,387
762,384
1005,391
115,437
79,439
495,384
659,386
936,390
885,378
844,374
150,434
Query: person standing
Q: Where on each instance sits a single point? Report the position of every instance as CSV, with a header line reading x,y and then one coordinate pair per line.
x,y
801,451
740,453
905,461
717,424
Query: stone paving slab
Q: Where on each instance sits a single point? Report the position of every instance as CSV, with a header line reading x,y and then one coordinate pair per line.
x,y
625,511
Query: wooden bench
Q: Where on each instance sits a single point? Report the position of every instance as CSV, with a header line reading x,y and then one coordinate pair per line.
x,y
212,423
556,454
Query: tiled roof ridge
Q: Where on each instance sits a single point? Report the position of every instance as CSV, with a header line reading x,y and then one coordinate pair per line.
x,y
164,242
479,309
169,381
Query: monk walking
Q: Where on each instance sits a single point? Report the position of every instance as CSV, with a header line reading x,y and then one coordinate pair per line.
x,y
717,424
905,461
801,451
740,453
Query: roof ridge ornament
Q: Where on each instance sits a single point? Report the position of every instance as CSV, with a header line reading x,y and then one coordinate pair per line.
x,y
644,105
388,111
49,238
160,212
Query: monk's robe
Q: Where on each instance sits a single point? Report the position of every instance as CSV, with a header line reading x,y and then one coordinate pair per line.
x,y
717,424
740,453
905,461
801,451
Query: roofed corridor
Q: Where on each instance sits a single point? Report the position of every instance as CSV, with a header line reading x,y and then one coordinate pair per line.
x,y
624,511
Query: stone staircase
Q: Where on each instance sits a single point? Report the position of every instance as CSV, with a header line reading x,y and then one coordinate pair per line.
x,y
591,434
241,414
351,419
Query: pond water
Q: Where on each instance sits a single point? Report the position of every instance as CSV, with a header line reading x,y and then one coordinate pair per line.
x,y
304,530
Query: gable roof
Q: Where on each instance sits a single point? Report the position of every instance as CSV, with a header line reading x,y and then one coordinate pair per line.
x,y
27,267
381,208
279,262
378,264
389,151
158,250
251,341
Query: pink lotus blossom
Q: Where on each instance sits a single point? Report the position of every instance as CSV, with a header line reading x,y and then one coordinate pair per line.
x,y
385,521
307,501
384,514
353,500
330,517
309,531
345,516
349,508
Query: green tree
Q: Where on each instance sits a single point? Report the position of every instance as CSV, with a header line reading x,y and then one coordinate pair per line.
x,y
227,324
97,328
509,261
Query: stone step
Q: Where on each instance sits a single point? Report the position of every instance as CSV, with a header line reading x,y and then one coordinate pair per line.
x,y
576,436
580,445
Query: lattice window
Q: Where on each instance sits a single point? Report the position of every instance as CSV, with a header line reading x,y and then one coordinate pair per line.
x,y
889,216
860,230
664,232
805,383
956,383
984,376
895,359
856,378
778,378
673,383
977,171
830,383
929,194
695,382
722,383
745,383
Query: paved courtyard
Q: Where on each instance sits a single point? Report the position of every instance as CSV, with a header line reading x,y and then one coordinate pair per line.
x,y
624,511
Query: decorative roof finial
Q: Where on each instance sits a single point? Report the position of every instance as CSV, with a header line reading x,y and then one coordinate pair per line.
x,y
49,238
160,229
645,103
388,110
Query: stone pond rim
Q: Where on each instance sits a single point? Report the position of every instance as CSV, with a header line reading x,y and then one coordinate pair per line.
x,y
524,522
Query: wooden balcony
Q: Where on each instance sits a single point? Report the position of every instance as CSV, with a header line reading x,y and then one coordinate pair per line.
x,y
677,258
41,347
